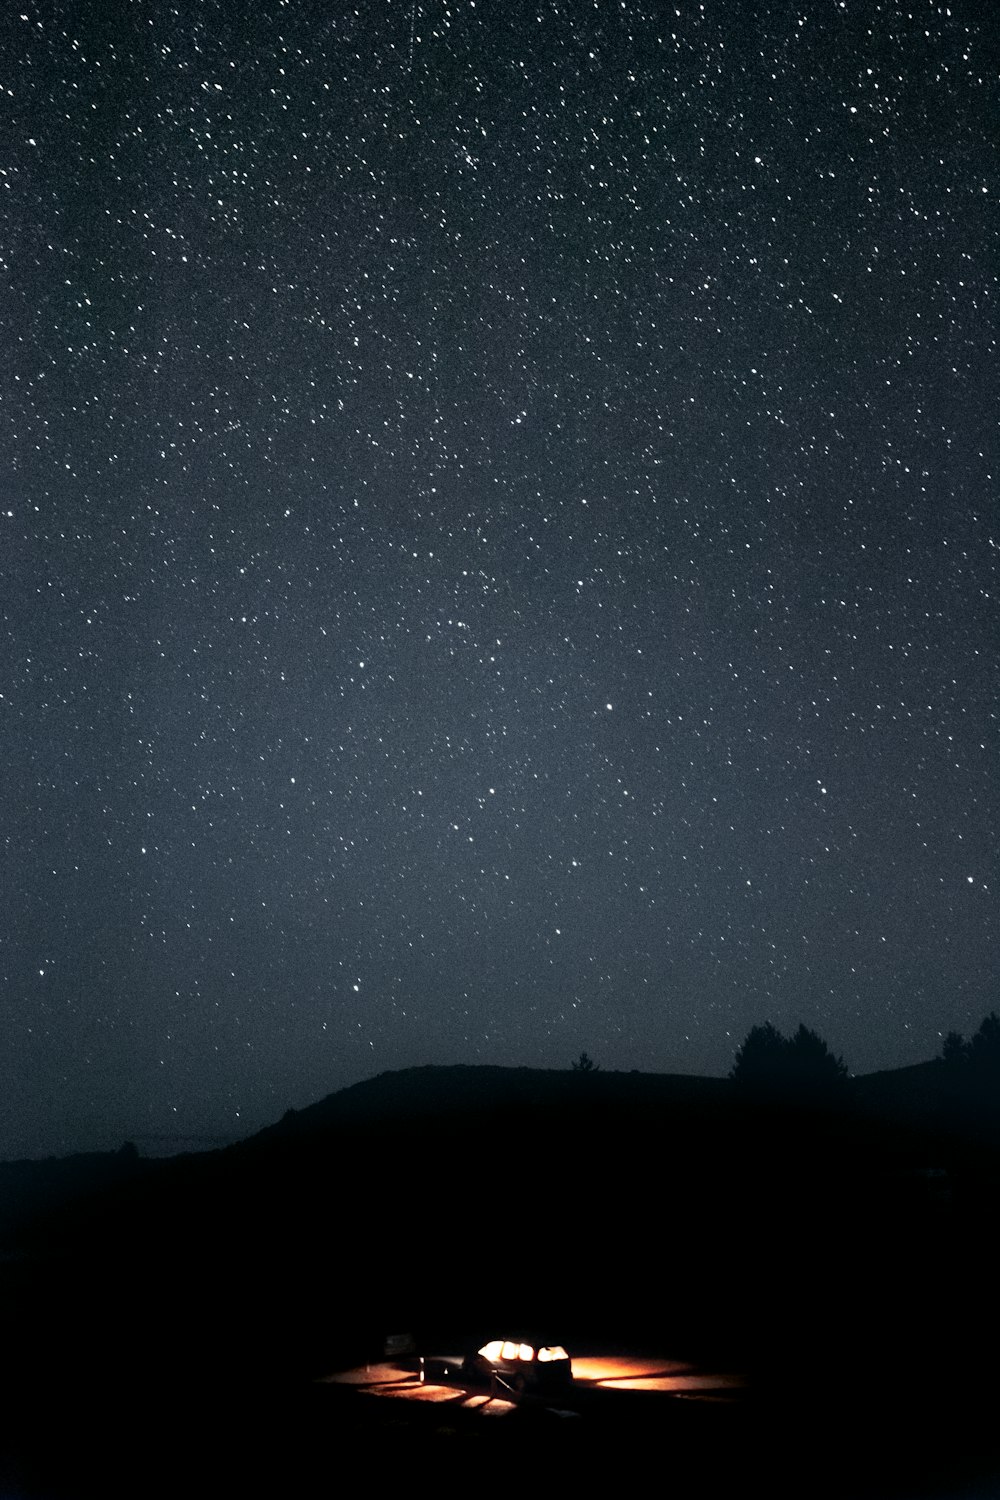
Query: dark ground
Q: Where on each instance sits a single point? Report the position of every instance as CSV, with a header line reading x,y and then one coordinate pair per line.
x,y
164,1335
77,1431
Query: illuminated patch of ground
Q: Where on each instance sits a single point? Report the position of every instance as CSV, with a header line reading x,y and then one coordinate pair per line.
x,y
386,1379
605,1372
631,1373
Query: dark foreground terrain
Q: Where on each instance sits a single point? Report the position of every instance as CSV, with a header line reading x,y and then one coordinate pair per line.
x,y
168,1332
79,1426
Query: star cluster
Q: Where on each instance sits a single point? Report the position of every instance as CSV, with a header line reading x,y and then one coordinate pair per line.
x,y
499,544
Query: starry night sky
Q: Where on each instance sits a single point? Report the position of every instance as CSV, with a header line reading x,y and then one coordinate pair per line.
x,y
498,552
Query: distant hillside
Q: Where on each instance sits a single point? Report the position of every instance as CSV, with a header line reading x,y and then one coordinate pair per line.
x,y
29,1189
917,1096
486,1100
906,1093
957,1110
461,1197
459,1110
462,1109
433,1092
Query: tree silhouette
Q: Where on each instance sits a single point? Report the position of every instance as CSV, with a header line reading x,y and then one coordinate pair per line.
x,y
971,1074
980,1055
812,1059
585,1064
955,1050
800,1068
759,1061
984,1047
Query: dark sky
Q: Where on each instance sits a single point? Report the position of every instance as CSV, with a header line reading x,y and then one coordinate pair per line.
x,y
499,543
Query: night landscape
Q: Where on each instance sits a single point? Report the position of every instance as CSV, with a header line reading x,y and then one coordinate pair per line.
x,y
498,579
806,1261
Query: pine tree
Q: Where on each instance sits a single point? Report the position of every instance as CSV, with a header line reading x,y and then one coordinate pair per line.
x,y
585,1064
802,1067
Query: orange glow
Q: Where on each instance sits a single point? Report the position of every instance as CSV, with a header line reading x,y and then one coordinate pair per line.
x,y
612,1369
630,1373
608,1372
673,1383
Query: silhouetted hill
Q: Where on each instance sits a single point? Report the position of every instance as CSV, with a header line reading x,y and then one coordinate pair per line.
x,y
444,1139
634,1205
913,1095
427,1093
449,1196
30,1189
939,1115
920,1097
